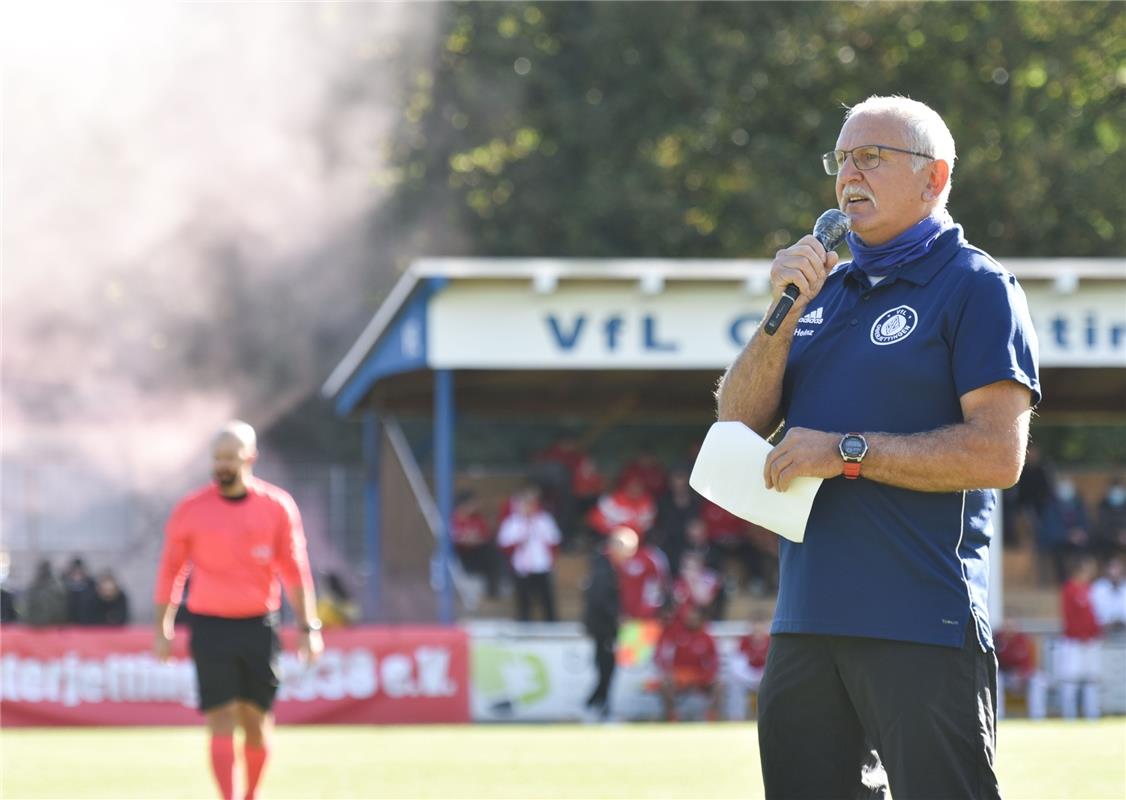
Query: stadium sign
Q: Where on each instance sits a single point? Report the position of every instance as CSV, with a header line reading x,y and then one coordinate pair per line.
x,y
367,675
478,325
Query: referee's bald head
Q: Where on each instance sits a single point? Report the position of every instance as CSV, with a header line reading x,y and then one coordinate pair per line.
x,y
241,432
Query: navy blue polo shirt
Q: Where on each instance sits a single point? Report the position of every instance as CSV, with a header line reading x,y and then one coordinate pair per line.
x,y
877,560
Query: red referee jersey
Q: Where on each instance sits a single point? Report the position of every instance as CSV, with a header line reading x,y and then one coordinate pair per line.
x,y
236,550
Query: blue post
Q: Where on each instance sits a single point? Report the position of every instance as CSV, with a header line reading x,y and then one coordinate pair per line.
x,y
444,486
373,550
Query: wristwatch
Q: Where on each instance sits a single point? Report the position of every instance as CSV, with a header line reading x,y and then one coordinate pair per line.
x,y
853,448
310,626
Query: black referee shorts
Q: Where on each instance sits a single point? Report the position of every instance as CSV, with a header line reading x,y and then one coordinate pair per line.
x,y
845,717
236,659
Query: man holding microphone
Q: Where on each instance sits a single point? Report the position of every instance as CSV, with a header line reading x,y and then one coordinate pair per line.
x,y
237,537
906,380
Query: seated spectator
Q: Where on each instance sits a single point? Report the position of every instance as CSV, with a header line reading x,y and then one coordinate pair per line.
x,y
473,540
1079,651
111,604
747,664
80,593
335,606
551,470
675,508
698,542
642,581
754,550
697,585
1032,492
44,602
530,539
1064,531
646,468
1017,671
1108,596
587,485
688,661
629,506
1110,523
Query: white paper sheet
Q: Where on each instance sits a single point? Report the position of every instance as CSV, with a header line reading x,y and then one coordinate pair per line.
x,y
728,471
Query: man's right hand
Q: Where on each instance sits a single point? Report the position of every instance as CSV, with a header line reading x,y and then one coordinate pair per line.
x,y
162,646
804,264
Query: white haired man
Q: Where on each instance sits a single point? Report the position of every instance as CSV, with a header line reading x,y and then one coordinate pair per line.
x,y
237,537
905,379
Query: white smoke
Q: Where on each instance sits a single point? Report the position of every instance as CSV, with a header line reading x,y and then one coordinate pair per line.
x,y
186,189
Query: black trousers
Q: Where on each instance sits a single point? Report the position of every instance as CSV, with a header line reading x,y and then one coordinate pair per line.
x,y
605,659
535,585
845,717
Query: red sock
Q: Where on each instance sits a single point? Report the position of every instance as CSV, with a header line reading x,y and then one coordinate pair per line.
x,y
255,760
223,764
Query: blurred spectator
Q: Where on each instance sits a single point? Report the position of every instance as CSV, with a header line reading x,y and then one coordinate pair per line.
x,y
530,538
1034,488
473,541
1110,527
1017,671
1108,596
746,667
44,602
1064,531
697,585
335,606
587,485
642,580
698,542
1079,651
602,612
7,599
755,552
675,508
646,468
111,605
629,506
80,593
688,661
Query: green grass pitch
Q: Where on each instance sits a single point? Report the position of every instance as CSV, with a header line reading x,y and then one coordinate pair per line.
x,y
1049,760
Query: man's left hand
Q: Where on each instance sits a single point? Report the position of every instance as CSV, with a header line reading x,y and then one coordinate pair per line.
x,y
310,645
803,453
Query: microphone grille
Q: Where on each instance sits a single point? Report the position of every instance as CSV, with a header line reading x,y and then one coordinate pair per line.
x,y
830,228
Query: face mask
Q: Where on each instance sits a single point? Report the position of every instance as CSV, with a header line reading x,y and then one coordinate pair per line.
x,y
1065,492
1116,496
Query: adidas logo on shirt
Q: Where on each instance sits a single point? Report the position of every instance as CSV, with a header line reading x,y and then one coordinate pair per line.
x,y
815,317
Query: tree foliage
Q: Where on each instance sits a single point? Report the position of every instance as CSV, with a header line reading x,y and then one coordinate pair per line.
x,y
694,129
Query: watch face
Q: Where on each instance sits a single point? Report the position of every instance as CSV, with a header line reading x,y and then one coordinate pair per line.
x,y
852,446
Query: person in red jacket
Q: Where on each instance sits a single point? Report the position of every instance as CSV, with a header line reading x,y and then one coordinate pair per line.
x,y
239,537
1079,651
648,469
1017,671
630,506
747,665
688,661
642,579
474,542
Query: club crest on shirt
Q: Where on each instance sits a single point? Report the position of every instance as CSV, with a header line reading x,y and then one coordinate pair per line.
x,y
894,325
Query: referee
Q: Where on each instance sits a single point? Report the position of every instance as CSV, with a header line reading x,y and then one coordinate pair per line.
x,y
237,537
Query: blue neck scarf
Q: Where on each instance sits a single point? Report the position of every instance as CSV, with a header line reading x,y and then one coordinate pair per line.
x,y
911,245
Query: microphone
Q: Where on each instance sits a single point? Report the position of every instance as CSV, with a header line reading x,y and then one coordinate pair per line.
x,y
830,230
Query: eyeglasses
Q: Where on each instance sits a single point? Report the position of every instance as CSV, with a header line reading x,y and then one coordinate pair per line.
x,y
867,156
